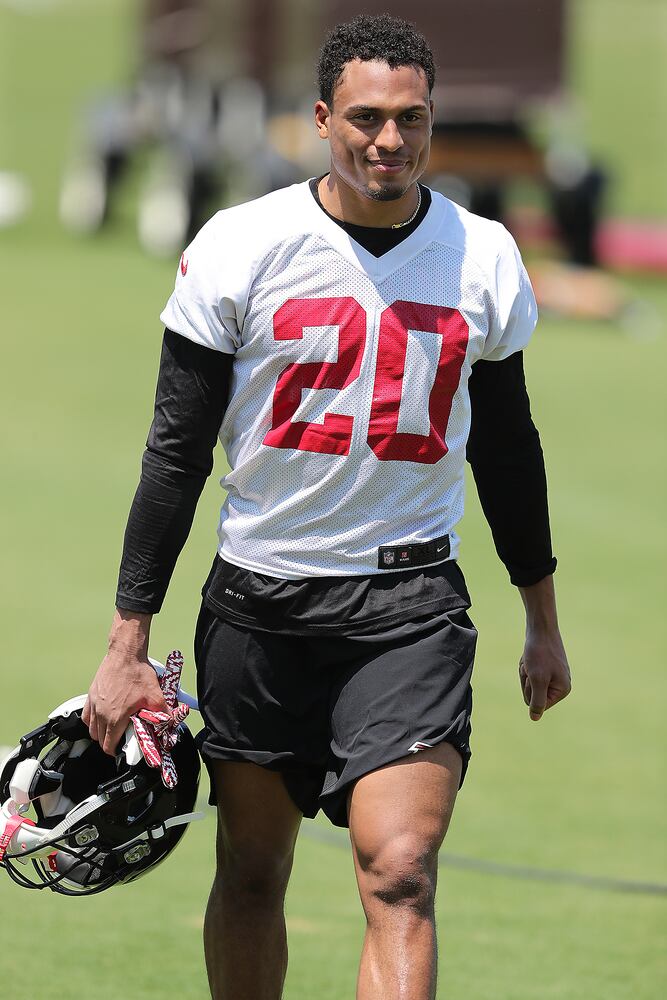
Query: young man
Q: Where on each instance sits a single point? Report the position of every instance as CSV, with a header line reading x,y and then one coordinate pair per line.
x,y
336,335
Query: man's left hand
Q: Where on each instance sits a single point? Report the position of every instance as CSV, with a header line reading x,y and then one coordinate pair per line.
x,y
544,673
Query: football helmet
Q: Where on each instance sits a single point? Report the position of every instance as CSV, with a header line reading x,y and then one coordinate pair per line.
x,y
100,820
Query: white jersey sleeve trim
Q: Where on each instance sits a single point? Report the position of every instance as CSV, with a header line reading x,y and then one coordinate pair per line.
x,y
512,313
209,295
515,313
216,271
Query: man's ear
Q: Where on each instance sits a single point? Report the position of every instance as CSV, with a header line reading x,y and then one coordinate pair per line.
x,y
322,114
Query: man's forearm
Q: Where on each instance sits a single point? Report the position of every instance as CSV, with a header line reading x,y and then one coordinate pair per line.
x,y
539,601
158,525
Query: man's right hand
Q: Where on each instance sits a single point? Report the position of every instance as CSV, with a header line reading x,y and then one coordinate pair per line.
x,y
124,683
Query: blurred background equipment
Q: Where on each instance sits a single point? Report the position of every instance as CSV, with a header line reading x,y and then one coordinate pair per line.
x,y
170,106
197,110
14,198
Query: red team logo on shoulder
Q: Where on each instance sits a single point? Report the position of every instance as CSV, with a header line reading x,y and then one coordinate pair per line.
x,y
184,265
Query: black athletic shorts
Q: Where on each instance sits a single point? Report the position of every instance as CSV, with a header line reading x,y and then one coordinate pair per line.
x,y
326,710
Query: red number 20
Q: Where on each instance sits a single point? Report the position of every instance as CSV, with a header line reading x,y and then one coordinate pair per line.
x,y
333,436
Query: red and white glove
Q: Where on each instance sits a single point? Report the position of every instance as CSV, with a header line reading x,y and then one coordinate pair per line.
x,y
157,731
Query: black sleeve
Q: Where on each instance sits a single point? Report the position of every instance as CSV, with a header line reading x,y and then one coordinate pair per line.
x,y
190,401
506,457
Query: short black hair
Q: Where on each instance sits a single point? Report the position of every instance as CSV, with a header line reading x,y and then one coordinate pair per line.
x,y
368,37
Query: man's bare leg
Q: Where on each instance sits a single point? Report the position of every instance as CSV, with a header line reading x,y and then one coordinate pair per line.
x,y
245,942
398,819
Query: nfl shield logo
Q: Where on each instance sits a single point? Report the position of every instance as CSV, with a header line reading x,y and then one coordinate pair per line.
x,y
388,558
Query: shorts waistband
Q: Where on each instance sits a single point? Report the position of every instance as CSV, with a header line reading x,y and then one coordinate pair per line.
x,y
413,553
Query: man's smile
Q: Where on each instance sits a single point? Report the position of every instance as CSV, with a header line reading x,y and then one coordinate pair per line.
x,y
388,166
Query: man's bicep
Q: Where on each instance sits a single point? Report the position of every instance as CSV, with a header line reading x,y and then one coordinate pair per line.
x,y
499,405
505,453
190,402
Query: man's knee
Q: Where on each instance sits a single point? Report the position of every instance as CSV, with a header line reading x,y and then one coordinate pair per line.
x,y
257,828
402,873
251,870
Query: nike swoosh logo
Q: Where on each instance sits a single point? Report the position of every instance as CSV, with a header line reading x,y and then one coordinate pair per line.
x,y
184,265
441,549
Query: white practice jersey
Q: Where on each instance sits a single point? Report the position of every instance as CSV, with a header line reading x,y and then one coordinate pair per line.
x,y
349,410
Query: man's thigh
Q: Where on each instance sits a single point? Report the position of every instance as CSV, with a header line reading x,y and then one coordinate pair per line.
x,y
257,820
405,807
399,699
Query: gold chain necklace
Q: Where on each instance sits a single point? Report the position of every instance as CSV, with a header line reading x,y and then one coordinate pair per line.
x,y
399,225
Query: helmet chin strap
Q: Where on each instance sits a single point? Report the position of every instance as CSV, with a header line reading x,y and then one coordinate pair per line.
x,y
160,829
75,815
23,838
11,829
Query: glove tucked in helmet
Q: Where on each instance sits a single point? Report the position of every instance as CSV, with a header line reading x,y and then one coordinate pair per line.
x,y
101,820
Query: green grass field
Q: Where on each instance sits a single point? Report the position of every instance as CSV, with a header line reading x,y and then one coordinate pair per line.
x,y
582,792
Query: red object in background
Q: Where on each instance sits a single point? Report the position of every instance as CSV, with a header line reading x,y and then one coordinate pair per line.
x,y
640,246
621,244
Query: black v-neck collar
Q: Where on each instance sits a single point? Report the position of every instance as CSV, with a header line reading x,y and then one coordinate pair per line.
x,y
376,240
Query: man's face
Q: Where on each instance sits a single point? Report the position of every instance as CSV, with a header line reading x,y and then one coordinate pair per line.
x,y
378,127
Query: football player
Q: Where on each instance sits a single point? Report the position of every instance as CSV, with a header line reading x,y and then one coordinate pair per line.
x,y
346,339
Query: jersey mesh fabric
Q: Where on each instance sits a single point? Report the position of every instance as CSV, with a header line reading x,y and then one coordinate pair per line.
x,y
335,422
